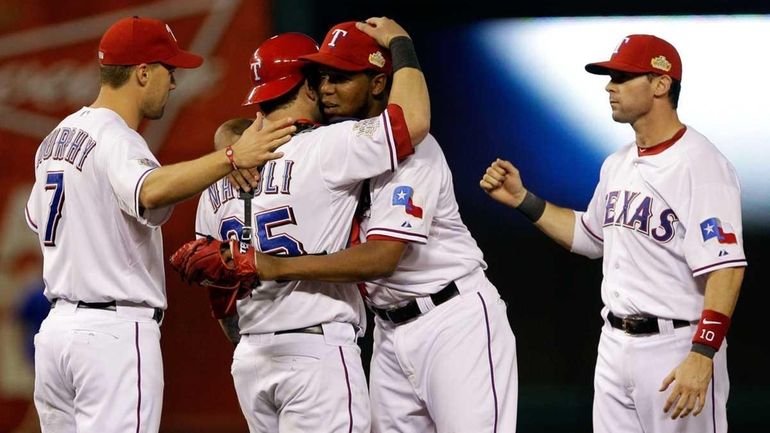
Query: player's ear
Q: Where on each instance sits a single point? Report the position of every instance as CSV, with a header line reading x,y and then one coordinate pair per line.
x,y
662,85
310,91
378,84
142,74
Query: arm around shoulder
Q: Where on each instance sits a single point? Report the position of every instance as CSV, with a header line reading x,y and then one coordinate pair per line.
x,y
409,90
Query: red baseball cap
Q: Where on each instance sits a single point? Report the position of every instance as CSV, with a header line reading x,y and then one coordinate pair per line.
x,y
349,49
135,40
641,54
276,66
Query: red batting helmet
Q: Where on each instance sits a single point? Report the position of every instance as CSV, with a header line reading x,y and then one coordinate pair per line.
x,y
276,67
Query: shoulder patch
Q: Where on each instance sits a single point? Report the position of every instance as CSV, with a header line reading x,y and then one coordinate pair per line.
x,y
714,228
148,162
366,127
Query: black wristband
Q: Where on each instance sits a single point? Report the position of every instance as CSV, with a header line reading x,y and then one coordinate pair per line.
x,y
403,53
703,350
532,207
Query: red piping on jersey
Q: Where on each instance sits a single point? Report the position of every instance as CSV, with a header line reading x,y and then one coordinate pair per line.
x,y
401,136
660,147
397,232
307,122
353,240
385,238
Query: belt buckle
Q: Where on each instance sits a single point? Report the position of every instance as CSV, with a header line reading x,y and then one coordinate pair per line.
x,y
629,324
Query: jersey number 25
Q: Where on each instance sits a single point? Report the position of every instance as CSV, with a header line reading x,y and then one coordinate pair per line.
x,y
267,241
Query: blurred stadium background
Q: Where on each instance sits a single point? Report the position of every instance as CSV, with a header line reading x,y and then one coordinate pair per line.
x,y
505,80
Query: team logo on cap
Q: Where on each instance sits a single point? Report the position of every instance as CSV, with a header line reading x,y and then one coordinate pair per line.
x,y
171,33
661,63
377,59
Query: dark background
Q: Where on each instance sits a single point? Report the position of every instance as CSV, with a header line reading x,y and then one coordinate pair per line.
x,y
553,296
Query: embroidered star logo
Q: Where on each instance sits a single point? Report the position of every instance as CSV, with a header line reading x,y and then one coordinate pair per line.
x,y
401,195
710,228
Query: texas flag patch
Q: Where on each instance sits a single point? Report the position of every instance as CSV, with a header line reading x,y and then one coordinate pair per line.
x,y
714,228
402,196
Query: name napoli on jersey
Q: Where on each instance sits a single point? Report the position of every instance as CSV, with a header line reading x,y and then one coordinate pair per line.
x,y
275,178
631,210
69,144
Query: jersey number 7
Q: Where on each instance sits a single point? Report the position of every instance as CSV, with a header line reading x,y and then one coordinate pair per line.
x,y
55,181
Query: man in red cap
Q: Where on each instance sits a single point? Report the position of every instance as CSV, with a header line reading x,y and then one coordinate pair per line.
x,y
444,353
666,217
297,367
99,199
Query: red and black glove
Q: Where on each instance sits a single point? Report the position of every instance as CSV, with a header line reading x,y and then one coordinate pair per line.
x,y
227,269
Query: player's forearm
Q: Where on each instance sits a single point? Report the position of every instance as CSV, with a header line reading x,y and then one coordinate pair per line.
x,y
176,182
410,92
363,262
722,289
558,223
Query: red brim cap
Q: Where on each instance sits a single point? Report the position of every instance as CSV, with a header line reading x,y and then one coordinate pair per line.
x,y
334,62
604,68
184,59
272,89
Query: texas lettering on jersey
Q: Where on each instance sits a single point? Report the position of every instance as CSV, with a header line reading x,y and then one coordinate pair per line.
x,y
631,210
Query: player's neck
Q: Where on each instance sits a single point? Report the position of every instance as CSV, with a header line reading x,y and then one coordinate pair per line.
x,y
124,105
295,111
656,127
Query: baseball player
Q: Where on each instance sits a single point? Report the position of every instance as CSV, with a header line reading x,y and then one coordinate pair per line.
x,y
444,354
666,217
297,366
97,204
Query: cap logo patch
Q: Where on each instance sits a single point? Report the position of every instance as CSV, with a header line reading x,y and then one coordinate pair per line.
x,y
255,65
377,59
661,63
171,33
337,33
624,41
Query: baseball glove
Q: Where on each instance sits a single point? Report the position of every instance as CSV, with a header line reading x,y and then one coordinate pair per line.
x,y
227,270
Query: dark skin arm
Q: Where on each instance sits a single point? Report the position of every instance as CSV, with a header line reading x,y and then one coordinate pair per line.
x,y
370,260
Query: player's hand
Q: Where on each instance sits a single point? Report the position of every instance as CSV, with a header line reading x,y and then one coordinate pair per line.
x,y
257,144
503,183
244,179
382,30
691,379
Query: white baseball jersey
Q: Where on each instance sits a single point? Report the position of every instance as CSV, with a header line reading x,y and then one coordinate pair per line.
x,y
98,243
417,204
304,205
466,378
662,219
98,246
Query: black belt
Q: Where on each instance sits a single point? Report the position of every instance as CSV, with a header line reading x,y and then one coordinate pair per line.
x,y
412,309
316,329
634,325
157,314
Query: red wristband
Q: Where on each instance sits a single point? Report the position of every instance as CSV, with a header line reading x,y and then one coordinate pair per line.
x,y
231,156
712,329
